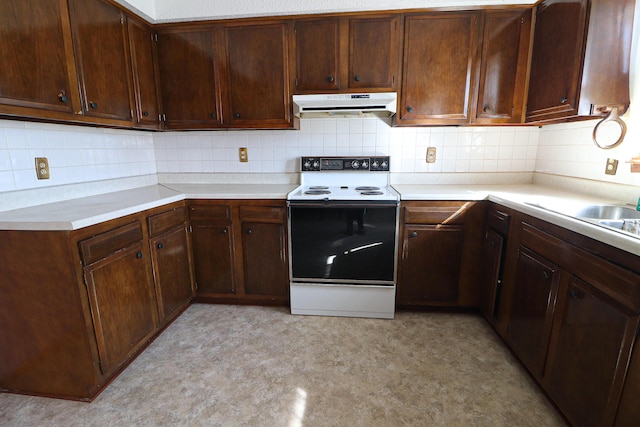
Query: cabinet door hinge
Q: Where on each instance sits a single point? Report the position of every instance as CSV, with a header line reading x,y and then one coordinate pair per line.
x,y
195,285
296,82
131,112
190,229
522,21
154,37
122,20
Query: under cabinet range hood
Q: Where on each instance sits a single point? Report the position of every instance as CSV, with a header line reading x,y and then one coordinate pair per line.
x,y
382,104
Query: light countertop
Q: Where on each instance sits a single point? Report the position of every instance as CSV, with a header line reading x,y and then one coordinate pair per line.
x,y
85,211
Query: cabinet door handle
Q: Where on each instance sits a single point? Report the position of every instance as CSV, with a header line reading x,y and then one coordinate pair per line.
x,y
330,79
356,78
410,109
563,100
413,234
139,255
492,243
93,105
213,115
63,96
145,113
575,295
486,108
249,231
545,274
160,246
236,115
223,231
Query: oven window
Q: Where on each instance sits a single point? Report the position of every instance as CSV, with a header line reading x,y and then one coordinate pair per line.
x,y
346,243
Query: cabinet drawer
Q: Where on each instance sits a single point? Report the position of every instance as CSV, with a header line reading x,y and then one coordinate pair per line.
x,y
499,221
434,214
210,212
273,214
103,245
165,221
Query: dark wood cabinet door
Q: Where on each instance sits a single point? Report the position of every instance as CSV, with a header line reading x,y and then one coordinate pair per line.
x,y
317,55
532,305
373,52
629,410
142,45
188,79
557,58
504,64
430,269
492,248
439,71
102,57
172,272
257,76
123,305
264,260
213,258
31,30
588,357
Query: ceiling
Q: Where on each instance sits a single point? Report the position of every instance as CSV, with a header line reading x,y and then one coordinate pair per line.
x,y
191,10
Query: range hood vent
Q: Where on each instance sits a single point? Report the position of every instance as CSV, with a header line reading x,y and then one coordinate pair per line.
x,y
381,104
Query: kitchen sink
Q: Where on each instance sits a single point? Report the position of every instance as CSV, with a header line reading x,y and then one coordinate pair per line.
x,y
607,212
615,217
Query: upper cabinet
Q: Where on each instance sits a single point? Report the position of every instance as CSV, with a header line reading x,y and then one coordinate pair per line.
x,y
255,64
439,68
39,30
142,41
189,78
347,54
504,60
102,59
580,61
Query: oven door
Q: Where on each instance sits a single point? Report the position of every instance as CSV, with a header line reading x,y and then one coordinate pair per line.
x,y
343,242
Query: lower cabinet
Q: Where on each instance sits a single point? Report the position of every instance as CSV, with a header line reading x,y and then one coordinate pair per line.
x,y
171,257
573,312
589,350
77,306
240,251
438,244
534,294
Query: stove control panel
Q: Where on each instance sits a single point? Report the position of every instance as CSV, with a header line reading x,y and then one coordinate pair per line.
x,y
361,164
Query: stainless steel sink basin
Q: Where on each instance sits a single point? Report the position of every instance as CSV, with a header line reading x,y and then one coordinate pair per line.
x,y
619,218
607,212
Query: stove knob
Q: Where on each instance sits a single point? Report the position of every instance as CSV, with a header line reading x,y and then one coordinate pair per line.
x,y
375,164
316,164
384,164
355,164
365,164
307,164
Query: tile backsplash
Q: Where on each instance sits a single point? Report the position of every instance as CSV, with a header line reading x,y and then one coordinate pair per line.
x,y
85,154
459,149
76,154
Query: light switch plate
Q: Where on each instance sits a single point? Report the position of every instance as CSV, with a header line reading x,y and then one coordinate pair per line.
x,y
243,155
431,154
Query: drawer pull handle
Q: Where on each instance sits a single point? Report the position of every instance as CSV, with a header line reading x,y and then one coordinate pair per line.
x,y
249,231
139,255
160,246
224,231
413,234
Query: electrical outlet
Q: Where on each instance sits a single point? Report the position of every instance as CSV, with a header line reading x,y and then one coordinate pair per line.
x,y
42,168
243,155
431,155
612,167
